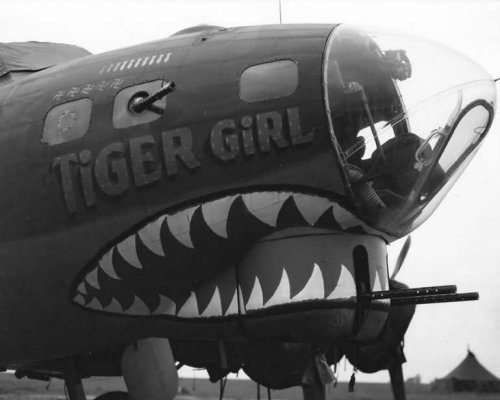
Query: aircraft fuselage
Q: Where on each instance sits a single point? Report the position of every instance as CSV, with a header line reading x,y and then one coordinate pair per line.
x,y
119,225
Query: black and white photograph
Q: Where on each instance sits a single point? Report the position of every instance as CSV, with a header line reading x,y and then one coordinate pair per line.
x,y
234,199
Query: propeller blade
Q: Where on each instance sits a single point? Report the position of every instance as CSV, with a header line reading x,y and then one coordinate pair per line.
x,y
401,257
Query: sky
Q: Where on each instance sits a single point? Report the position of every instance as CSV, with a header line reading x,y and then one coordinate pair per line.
x,y
460,244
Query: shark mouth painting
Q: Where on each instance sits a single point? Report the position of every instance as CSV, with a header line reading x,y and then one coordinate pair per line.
x,y
238,255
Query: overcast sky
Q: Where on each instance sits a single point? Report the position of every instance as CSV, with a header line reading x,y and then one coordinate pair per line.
x,y
460,244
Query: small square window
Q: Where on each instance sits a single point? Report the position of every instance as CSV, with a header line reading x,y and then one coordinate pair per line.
x,y
67,122
270,80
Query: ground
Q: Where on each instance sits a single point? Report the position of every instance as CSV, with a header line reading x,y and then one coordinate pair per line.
x,y
14,389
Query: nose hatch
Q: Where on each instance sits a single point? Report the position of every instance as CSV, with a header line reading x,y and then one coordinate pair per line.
x,y
406,117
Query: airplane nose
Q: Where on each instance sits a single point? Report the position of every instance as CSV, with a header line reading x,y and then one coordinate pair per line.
x,y
301,284
407,115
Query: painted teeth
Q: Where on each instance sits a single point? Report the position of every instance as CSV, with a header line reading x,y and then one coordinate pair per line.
x,y
128,250
166,307
179,225
214,308
81,288
344,217
346,287
311,207
92,279
215,214
265,205
233,307
106,265
282,293
190,308
114,307
95,304
314,288
150,236
256,300
138,308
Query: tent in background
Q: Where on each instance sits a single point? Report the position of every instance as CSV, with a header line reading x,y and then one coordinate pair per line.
x,y
468,376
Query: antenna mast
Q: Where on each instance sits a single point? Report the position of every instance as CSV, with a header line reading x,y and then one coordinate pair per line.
x,y
280,10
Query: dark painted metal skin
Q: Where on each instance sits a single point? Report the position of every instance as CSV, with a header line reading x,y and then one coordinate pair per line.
x,y
44,243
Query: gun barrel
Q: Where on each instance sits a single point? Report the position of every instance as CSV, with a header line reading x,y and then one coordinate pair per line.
x,y
139,104
438,298
415,292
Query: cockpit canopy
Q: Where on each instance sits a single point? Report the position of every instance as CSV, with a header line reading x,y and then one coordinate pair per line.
x,y
406,116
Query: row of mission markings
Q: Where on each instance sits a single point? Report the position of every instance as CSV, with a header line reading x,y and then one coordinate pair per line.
x,y
136,63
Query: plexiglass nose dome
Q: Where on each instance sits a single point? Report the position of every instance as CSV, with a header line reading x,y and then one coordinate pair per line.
x,y
406,116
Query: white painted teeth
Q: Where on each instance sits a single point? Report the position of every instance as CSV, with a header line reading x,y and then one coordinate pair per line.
x,y
265,205
92,279
150,236
256,299
215,214
233,307
314,288
190,308
214,308
138,307
346,287
79,300
114,307
128,251
166,307
81,288
180,226
344,217
95,304
106,264
282,293
311,207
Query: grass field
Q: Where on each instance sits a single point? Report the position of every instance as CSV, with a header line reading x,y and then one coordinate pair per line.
x,y
14,389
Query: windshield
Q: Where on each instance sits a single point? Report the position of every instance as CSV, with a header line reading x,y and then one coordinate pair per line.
x,y
405,115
